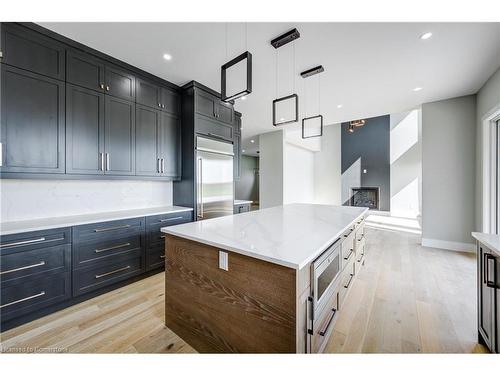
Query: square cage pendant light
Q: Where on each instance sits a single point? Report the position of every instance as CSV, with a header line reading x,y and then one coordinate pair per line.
x,y
236,77
312,127
286,110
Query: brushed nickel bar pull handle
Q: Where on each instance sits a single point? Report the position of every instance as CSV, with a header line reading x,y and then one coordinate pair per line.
x,y
23,299
158,165
27,242
350,253
42,263
112,247
170,219
101,156
111,228
323,332
162,165
112,272
162,256
162,237
349,282
107,161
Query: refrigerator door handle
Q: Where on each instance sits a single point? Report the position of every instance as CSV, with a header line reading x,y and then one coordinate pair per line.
x,y
200,191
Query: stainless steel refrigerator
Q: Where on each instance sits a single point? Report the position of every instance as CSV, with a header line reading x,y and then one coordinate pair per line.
x,y
214,178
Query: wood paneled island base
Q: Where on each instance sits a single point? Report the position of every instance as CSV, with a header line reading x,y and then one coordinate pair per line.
x,y
250,308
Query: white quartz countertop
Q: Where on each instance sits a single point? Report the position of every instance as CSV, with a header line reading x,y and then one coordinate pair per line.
x,y
291,235
492,241
13,227
241,201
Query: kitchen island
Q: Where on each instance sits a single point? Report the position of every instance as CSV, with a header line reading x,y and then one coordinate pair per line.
x,y
264,281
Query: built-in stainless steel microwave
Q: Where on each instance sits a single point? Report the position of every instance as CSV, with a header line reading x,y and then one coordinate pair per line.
x,y
324,273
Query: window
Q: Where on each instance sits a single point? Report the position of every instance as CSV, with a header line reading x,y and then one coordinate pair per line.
x,y
498,177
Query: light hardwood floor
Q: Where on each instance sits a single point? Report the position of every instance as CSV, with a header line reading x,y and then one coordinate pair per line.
x,y
407,299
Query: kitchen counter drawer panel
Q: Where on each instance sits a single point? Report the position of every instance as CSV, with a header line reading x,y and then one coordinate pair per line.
x,y
24,295
34,262
348,276
155,236
155,257
106,273
90,253
323,325
169,219
108,230
14,243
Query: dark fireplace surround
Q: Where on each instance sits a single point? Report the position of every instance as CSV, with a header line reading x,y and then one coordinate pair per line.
x,y
365,197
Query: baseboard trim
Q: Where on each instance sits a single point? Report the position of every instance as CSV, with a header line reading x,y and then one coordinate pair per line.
x,y
449,245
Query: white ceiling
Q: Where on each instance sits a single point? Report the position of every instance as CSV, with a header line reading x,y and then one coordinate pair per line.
x,y
370,68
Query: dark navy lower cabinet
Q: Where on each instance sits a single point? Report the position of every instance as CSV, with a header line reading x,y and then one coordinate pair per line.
x,y
44,271
35,271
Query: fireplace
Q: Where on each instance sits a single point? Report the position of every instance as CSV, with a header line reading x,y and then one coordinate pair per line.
x,y
365,197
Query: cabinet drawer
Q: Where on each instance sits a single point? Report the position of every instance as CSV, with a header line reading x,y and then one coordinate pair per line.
x,y
88,279
360,231
87,254
108,230
360,248
348,249
155,257
14,243
213,129
348,276
323,326
25,295
169,219
33,262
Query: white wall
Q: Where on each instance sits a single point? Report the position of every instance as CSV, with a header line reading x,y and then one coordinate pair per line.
x,y
448,171
271,147
298,175
488,102
327,167
31,199
406,164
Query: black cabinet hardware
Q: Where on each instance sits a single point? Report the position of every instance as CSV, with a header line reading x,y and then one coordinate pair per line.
x,y
330,320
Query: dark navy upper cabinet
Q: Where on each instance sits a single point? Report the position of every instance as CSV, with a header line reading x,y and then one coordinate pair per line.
x,y
170,101
119,83
119,136
148,93
84,131
85,70
170,141
32,132
147,153
32,51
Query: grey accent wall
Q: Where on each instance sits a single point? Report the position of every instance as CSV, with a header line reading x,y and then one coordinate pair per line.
x,y
247,187
367,148
488,101
448,158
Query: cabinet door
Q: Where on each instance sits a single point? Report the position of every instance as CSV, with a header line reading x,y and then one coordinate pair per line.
x,y
120,83
119,136
84,131
237,156
84,70
213,129
147,93
170,101
170,144
147,125
32,117
32,51
225,112
204,104
486,298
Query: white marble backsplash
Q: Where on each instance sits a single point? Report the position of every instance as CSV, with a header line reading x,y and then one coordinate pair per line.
x,y
34,199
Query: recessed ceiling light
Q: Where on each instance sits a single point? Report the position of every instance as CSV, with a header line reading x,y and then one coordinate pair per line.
x,y
167,56
417,89
340,105
252,141
426,36
243,98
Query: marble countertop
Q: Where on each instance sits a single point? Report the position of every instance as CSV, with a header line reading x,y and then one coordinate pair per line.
x,y
241,201
490,240
13,227
291,235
